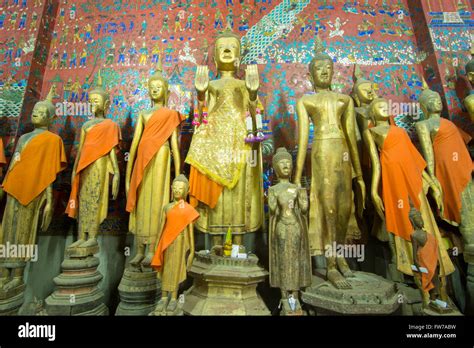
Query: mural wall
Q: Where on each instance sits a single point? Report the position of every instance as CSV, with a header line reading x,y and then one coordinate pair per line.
x,y
394,41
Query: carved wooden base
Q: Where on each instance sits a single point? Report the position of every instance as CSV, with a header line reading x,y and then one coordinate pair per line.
x,y
77,291
225,286
138,292
370,295
11,300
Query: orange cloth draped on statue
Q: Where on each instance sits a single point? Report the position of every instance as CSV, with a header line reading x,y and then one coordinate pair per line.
x,y
202,189
453,167
99,141
428,258
177,219
158,130
3,160
402,170
40,161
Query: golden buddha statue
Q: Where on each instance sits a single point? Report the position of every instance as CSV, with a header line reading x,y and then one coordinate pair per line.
x,y
225,178
334,156
290,261
96,159
449,163
363,93
38,158
3,162
147,181
175,251
405,183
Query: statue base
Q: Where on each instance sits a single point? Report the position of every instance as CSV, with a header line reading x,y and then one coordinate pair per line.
x,y
77,291
412,301
370,295
138,292
164,313
433,310
225,286
286,310
11,300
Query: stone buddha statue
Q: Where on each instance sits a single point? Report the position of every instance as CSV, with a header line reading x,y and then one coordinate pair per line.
x,y
148,173
398,171
96,160
38,158
290,261
226,171
334,157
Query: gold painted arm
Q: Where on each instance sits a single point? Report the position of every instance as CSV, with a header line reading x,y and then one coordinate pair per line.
x,y
303,134
303,200
48,209
133,151
116,178
376,172
191,245
175,152
349,125
272,201
426,146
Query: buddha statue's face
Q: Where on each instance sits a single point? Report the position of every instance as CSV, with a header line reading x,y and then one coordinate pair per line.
x,y
380,111
321,73
179,190
284,168
470,76
433,105
365,93
227,53
40,116
157,89
98,104
469,103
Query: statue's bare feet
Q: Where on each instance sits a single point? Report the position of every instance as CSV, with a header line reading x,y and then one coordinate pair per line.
x,y
160,306
13,283
76,244
137,259
172,306
338,280
146,262
92,242
344,268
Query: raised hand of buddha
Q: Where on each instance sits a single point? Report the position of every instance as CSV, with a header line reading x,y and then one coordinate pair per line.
x,y
252,81
202,80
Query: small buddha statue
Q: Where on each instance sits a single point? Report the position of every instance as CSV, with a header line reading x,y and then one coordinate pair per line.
x,y
426,261
148,173
38,158
290,261
96,159
175,250
334,163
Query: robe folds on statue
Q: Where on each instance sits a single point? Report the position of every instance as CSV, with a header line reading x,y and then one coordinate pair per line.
x,y
226,173
91,181
170,255
402,185
428,258
146,198
453,168
37,163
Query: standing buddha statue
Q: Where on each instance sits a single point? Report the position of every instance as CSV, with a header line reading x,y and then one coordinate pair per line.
x,y
334,156
38,158
96,159
148,174
469,101
225,179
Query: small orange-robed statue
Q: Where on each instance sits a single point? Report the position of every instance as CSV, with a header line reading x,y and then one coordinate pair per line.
x,y
175,251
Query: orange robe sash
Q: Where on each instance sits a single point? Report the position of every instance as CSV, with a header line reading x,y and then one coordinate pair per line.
x,y
453,167
158,130
177,219
428,258
37,167
99,141
202,189
402,170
